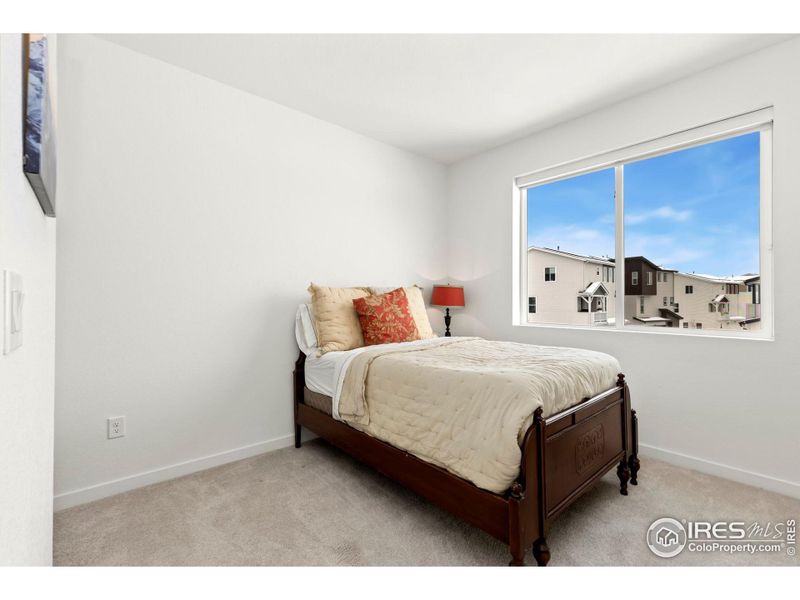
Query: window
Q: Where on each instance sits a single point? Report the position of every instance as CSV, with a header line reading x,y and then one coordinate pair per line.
x,y
685,325
659,201
641,305
532,304
712,307
698,325
562,256
755,290
665,300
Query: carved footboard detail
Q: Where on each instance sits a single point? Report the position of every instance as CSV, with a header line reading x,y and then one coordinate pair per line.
x,y
562,457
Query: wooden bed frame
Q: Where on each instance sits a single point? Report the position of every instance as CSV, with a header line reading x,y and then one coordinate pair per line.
x,y
562,457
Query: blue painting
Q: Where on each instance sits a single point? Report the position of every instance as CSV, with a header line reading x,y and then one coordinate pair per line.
x,y
39,152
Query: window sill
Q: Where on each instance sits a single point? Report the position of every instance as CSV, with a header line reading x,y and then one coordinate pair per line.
x,y
671,331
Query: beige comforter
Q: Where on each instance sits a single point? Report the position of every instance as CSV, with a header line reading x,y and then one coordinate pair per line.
x,y
465,403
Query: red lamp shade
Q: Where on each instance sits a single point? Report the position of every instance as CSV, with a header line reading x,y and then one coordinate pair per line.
x,y
446,295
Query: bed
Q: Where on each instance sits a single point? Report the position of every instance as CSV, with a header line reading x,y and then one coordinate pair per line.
x,y
505,436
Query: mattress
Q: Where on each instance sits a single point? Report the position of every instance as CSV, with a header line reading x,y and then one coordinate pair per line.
x,y
318,401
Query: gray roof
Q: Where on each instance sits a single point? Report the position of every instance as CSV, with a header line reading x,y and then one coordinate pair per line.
x,y
652,319
594,289
609,262
670,312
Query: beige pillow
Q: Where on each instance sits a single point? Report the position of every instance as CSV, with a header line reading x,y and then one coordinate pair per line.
x,y
417,305
335,317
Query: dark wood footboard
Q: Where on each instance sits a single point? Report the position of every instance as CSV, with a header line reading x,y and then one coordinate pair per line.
x,y
562,457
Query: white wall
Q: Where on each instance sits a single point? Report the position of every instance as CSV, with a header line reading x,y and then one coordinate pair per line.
x,y
192,218
727,406
27,245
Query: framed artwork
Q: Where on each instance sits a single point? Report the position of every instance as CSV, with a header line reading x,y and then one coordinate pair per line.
x,y
39,139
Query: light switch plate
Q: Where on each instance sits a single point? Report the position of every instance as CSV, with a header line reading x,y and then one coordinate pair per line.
x,y
13,303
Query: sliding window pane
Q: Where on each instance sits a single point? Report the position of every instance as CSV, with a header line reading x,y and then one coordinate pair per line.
x,y
570,245
692,236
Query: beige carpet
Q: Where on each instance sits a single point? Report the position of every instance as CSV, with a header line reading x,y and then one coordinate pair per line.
x,y
317,506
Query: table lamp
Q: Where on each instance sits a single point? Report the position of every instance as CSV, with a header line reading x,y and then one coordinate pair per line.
x,y
448,296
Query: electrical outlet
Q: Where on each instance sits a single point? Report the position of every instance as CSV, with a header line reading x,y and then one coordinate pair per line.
x,y
116,427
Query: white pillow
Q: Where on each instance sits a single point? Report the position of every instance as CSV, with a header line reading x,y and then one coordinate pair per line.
x,y
304,330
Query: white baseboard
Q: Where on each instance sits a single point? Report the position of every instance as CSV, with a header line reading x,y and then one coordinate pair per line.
x,y
125,484
773,484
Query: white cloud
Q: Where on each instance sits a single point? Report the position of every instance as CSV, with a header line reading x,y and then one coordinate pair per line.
x,y
576,239
662,212
585,234
679,257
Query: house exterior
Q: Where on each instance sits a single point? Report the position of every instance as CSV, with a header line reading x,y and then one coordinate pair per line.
x,y
649,296
571,289
727,303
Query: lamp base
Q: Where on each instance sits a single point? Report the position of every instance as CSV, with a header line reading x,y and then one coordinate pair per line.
x,y
447,322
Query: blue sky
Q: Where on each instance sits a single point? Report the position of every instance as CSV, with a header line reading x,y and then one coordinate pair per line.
x,y
692,210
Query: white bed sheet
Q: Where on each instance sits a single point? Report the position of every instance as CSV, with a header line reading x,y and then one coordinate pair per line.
x,y
325,374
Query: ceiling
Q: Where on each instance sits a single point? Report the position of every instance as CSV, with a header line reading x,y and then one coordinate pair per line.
x,y
445,96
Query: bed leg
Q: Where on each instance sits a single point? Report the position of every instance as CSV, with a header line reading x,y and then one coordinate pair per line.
x,y
297,442
541,552
517,560
624,473
633,461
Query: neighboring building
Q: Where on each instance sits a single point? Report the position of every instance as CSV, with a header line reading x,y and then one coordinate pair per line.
x,y
709,302
569,289
574,289
649,295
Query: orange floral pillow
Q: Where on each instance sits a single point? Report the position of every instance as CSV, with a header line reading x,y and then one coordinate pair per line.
x,y
386,318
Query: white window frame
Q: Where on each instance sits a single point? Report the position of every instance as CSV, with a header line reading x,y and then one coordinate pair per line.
x,y
554,279
761,120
